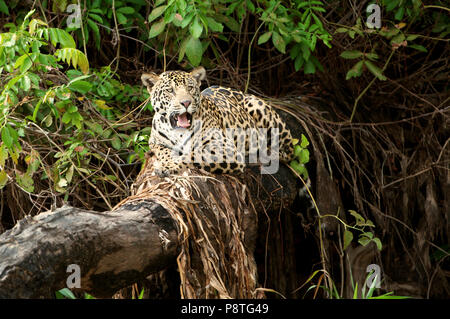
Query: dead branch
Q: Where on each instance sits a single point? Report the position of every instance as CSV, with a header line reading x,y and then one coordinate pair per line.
x,y
113,249
140,236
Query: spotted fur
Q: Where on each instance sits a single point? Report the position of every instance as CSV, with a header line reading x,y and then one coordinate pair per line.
x,y
178,102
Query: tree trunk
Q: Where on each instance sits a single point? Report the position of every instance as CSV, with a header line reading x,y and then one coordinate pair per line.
x,y
140,236
113,249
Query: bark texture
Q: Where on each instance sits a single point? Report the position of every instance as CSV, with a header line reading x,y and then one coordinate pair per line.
x,y
139,237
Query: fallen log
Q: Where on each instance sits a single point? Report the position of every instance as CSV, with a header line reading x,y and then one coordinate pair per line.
x,y
215,214
112,249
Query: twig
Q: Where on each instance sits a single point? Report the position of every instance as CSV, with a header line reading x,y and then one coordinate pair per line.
x,y
82,32
367,87
250,49
116,31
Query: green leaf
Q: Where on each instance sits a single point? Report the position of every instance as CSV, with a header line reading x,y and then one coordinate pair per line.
x,y
102,104
358,217
33,27
186,20
399,14
351,33
96,31
418,47
364,241
96,127
390,5
141,295
26,83
107,133
214,25
14,154
299,168
81,86
317,20
371,56
306,51
399,38
412,37
77,120
377,242
297,150
69,174
294,51
355,291
367,234
121,19
309,67
156,13
304,141
26,65
182,50
307,21
232,24
351,54
278,42
341,30
35,79
355,71
95,17
3,179
6,137
48,120
388,296
20,60
25,181
194,51
74,57
157,28
369,223
196,29
24,62
264,37
4,7
59,6
116,143
65,293
299,62
375,70
348,237
3,155
250,6
72,109
304,156
125,10
67,118
62,37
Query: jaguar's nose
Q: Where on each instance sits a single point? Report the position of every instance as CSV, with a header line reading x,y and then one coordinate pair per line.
x,y
186,103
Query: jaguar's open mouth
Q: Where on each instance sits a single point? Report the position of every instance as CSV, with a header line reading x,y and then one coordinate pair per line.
x,y
181,120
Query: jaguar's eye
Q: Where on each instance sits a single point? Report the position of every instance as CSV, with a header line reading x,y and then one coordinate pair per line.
x,y
170,90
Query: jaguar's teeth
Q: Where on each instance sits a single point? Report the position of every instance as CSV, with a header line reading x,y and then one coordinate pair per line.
x,y
183,120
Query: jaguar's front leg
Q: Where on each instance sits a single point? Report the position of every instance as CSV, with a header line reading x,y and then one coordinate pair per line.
x,y
165,163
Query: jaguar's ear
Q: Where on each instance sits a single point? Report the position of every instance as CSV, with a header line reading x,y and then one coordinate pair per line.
x,y
199,73
149,79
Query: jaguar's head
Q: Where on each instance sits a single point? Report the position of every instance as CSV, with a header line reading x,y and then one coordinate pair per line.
x,y
175,95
